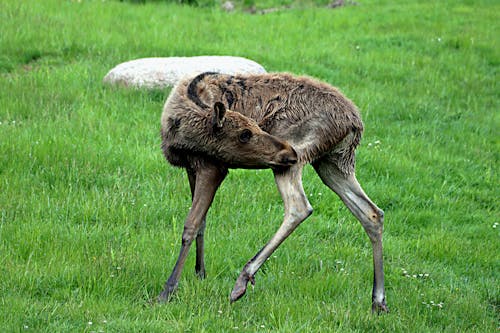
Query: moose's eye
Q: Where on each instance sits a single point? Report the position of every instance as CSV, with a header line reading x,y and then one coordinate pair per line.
x,y
245,136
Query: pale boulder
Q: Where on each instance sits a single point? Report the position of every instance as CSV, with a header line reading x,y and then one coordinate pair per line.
x,y
152,73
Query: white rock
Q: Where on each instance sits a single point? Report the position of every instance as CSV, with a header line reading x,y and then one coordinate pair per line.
x,y
153,73
228,6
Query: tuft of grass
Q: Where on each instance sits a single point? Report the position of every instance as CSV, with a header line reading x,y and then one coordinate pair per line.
x,y
91,215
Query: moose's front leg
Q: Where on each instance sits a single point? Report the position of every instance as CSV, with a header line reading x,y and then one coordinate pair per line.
x,y
208,180
297,209
200,251
200,242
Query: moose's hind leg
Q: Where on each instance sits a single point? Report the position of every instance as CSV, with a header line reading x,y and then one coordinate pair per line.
x,y
370,216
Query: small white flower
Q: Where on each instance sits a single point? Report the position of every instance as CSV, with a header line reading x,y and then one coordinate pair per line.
x,y
90,323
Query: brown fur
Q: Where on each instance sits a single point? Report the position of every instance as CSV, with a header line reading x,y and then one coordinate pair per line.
x,y
190,131
311,115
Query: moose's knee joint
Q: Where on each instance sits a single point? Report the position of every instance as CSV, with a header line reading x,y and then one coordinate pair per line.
x,y
186,241
302,214
188,237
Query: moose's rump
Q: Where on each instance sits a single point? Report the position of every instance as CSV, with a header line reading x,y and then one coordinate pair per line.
x,y
315,118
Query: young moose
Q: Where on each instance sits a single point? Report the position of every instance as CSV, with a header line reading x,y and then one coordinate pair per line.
x,y
214,122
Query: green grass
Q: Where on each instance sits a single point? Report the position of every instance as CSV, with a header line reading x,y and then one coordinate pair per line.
x,y
91,214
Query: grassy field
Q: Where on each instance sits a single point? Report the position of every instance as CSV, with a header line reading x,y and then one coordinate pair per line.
x,y
91,214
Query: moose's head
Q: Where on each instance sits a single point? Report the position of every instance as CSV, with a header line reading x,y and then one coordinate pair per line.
x,y
241,143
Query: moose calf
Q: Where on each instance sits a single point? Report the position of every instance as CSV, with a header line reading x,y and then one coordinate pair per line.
x,y
214,122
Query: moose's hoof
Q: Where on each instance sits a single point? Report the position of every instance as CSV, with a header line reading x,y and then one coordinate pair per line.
x,y
237,293
166,294
240,286
201,274
379,307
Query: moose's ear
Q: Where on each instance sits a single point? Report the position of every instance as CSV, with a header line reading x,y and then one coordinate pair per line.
x,y
219,113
